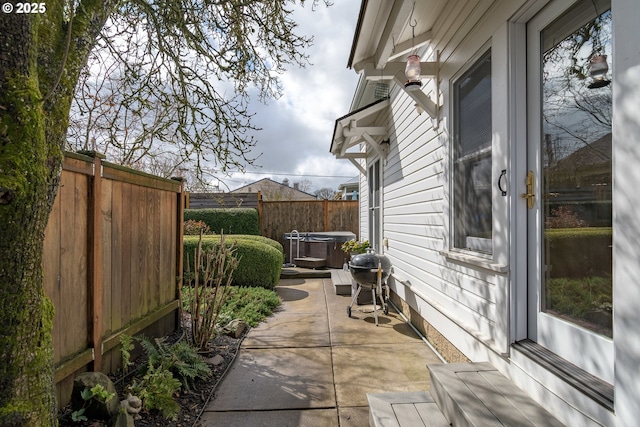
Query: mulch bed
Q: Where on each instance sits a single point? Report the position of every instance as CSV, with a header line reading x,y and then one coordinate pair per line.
x,y
192,403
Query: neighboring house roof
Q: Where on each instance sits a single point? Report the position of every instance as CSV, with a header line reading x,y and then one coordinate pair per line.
x,y
349,190
584,168
594,153
353,183
272,190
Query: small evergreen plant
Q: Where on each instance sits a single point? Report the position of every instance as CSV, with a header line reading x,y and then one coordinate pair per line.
x,y
96,392
169,368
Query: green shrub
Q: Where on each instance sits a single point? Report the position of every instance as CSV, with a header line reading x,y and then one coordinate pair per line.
x,y
156,389
169,367
180,358
227,221
582,232
576,297
251,305
97,393
260,239
260,262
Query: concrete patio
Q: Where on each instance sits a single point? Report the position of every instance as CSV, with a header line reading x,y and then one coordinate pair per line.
x,y
311,365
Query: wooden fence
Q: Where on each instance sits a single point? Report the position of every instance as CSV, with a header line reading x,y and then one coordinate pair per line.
x,y
278,218
222,200
112,261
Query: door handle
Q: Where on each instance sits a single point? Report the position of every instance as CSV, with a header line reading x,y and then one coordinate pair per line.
x,y
503,174
529,196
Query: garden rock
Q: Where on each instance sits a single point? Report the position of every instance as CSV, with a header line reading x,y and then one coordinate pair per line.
x,y
235,328
216,360
94,409
124,420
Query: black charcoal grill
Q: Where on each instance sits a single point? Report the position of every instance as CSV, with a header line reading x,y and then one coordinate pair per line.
x,y
371,271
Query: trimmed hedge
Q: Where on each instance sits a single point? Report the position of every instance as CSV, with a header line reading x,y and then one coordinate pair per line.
x,y
260,260
260,239
227,221
580,252
578,232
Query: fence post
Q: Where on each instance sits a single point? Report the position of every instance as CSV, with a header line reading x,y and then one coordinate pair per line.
x,y
179,239
96,261
187,199
260,217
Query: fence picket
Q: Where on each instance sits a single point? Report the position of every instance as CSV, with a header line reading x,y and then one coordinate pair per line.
x,y
111,260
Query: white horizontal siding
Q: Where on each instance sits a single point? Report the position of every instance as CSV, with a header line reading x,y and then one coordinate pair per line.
x,y
412,195
461,300
415,188
478,316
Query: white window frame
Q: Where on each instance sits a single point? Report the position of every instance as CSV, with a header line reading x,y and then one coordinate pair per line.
x,y
479,247
502,161
374,204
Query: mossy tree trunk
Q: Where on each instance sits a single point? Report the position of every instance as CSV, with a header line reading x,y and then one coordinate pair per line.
x,y
40,59
41,56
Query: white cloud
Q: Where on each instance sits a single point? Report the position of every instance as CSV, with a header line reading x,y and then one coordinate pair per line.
x,y
297,128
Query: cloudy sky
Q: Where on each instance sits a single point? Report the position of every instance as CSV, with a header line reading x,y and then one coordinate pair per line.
x,y
297,128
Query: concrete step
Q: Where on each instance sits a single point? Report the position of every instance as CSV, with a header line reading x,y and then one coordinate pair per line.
x,y
341,282
477,394
404,409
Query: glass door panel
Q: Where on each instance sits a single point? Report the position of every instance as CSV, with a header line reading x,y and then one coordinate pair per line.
x,y
569,151
576,184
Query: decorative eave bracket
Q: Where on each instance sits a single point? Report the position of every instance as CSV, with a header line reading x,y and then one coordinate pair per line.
x,y
353,158
361,127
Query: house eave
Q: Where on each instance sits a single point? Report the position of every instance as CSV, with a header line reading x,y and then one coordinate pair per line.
x,y
388,30
362,126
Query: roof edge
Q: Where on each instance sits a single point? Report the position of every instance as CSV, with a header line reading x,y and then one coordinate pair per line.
x,y
356,35
351,113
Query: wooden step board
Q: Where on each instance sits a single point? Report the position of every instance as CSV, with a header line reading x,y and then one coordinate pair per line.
x,y
310,262
341,281
477,394
404,409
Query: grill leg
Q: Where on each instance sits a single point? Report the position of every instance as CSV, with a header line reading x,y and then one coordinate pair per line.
x,y
383,298
375,305
353,300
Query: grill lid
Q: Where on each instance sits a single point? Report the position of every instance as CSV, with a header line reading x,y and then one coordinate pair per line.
x,y
364,267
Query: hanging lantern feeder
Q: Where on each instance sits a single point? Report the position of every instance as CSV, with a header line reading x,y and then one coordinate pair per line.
x,y
598,69
412,71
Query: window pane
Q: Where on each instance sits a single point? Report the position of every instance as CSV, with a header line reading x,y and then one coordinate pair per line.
x,y
472,158
374,206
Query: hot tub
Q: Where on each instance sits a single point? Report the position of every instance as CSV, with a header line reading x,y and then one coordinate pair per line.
x,y
318,244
